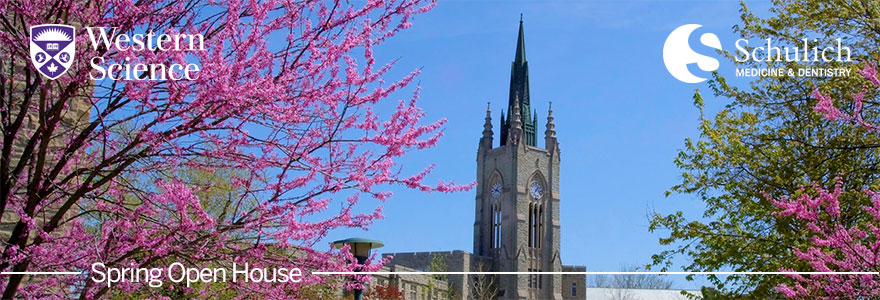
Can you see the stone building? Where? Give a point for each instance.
(75, 116)
(415, 286)
(516, 217)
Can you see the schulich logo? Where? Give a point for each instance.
(677, 53)
(53, 46)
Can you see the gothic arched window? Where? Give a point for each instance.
(536, 214)
(494, 194)
(536, 225)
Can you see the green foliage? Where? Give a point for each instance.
(769, 140)
(219, 197)
(438, 264)
(698, 100)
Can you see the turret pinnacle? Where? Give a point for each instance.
(516, 124)
(487, 127)
(550, 132)
(516, 121)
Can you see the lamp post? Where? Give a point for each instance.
(360, 248)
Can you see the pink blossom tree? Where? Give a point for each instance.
(282, 111)
(835, 246)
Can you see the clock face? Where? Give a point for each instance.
(496, 190)
(536, 190)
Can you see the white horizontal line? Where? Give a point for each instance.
(40, 273)
(596, 273)
(525, 273)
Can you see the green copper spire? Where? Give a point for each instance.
(520, 57)
(519, 92)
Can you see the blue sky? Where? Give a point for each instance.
(620, 116)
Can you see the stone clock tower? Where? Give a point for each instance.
(516, 227)
(516, 219)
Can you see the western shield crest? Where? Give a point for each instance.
(52, 49)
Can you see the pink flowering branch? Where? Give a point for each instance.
(826, 106)
(836, 246)
(281, 116)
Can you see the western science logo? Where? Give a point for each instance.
(52, 48)
(677, 53)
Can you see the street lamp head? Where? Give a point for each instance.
(359, 247)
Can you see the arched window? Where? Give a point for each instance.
(536, 215)
(536, 225)
(494, 193)
(496, 225)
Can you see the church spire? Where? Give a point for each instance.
(520, 57)
(519, 93)
(503, 122)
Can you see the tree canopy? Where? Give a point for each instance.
(769, 140)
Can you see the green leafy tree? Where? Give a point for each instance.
(438, 264)
(769, 140)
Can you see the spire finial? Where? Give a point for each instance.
(520, 57)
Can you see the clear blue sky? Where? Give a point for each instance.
(620, 117)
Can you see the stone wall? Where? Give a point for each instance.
(574, 286)
(456, 261)
(414, 287)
